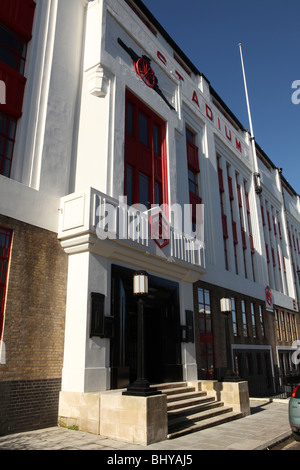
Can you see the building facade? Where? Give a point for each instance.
(118, 156)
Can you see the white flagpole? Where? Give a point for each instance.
(256, 174)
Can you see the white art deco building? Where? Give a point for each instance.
(104, 111)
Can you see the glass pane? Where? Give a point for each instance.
(157, 193)
(200, 296)
(12, 128)
(143, 129)
(7, 56)
(129, 119)
(9, 149)
(144, 198)
(6, 167)
(8, 38)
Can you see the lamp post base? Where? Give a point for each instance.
(141, 388)
(231, 377)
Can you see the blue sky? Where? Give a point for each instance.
(208, 32)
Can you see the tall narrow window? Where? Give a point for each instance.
(223, 214)
(244, 317)
(234, 317)
(253, 320)
(5, 244)
(193, 174)
(206, 366)
(145, 155)
(261, 321)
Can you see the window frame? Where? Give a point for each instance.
(142, 158)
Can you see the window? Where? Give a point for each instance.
(5, 244)
(261, 321)
(145, 156)
(12, 49)
(206, 366)
(7, 139)
(244, 317)
(234, 317)
(15, 33)
(253, 320)
(193, 174)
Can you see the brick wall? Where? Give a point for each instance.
(33, 330)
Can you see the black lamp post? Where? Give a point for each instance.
(141, 386)
(230, 376)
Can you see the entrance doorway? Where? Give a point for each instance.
(162, 330)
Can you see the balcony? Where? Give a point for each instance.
(92, 221)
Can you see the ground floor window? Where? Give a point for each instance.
(206, 366)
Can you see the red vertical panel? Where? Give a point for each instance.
(15, 86)
(18, 16)
(192, 155)
(224, 225)
(230, 188)
(220, 176)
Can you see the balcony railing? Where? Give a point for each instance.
(112, 220)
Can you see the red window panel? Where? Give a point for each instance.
(5, 246)
(194, 201)
(251, 243)
(14, 87)
(230, 189)
(192, 156)
(267, 253)
(263, 215)
(290, 238)
(247, 202)
(234, 233)
(18, 15)
(294, 242)
(244, 243)
(269, 221)
(298, 246)
(220, 177)
(145, 155)
(238, 186)
(224, 226)
(273, 257)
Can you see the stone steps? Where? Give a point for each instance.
(190, 410)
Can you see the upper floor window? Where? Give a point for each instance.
(145, 155)
(12, 49)
(7, 139)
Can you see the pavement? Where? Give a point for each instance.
(266, 426)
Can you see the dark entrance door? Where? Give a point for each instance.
(162, 330)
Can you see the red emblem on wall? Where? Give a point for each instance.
(143, 69)
(269, 298)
